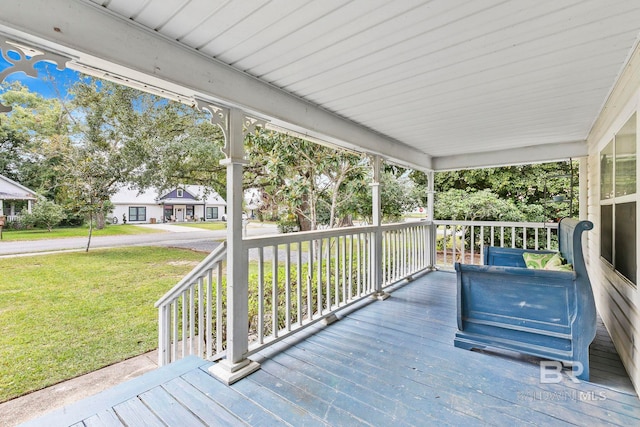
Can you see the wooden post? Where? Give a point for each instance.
(236, 366)
(376, 256)
(583, 174)
(432, 235)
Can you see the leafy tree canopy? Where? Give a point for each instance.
(482, 205)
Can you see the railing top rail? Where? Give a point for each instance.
(401, 225)
(552, 225)
(305, 236)
(214, 257)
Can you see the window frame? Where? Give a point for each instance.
(137, 210)
(211, 209)
(610, 198)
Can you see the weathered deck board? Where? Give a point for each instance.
(389, 363)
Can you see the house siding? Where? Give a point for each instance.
(153, 211)
(618, 300)
(186, 195)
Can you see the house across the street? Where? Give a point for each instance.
(15, 198)
(184, 203)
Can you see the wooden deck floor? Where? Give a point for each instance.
(388, 363)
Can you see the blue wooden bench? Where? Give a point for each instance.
(548, 314)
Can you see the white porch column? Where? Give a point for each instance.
(430, 191)
(376, 256)
(29, 205)
(583, 178)
(1, 208)
(431, 244)
(236, 365)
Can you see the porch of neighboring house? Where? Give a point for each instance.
(14, 199)
(383, 363)
(11, 207)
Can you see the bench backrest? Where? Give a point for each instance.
(570, 242)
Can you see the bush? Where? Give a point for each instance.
(45, 214)
(288, 226)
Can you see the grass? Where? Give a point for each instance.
(204, 225)
(59, 233)
(415, 215)
(68, 314)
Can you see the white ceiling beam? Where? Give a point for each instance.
(515, 156)
(99, 39)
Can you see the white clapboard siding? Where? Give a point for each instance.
(617, 300)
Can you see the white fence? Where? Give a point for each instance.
(190, 315)
(464, 241)
(298, 279)
(302, 278)
(295, 280)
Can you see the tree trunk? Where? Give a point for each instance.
(346, 221)
(90, 232)
(304, 222)
(100, 220)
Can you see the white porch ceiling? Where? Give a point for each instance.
(435, 84)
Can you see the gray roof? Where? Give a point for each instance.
(11, 190)
(152, 196)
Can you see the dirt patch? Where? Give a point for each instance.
(192, 263)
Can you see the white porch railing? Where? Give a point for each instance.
(298, 279)
(295, 280)
(190, 315)
(405, 250)
(301, 278)
(464, 241)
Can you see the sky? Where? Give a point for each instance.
(49, 78)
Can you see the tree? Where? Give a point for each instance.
(30, 139)
(398, 195)
(522, 184)
(45, 213)
(180, 146)
(89, 186)
(306, 180)
(482, 205)
(126, 137)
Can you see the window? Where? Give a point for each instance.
(179, 192)
(618, 201)
(212, 212)
(168, 213)
(137, 213)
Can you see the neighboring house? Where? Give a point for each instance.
(185, 203)
(15, 198)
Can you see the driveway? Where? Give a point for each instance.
(171, 235)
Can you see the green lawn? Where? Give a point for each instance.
(58, 233)
(68, 314)
(204, 225)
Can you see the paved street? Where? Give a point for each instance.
(173, 235)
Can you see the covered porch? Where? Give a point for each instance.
(382, 363)
(454, 85)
